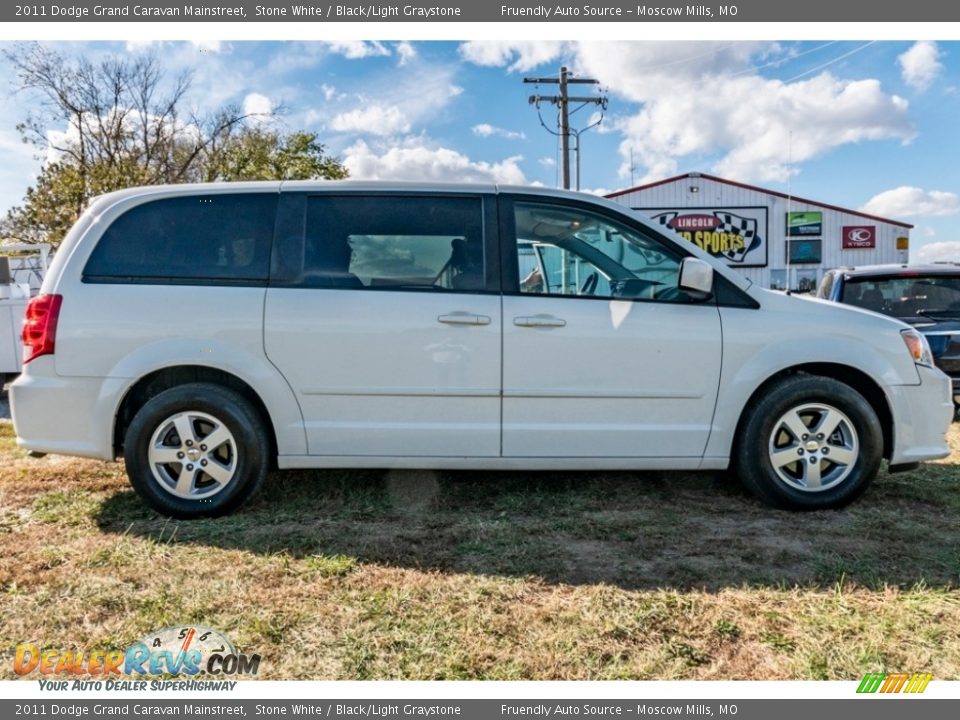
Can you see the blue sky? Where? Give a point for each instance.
(868, 125)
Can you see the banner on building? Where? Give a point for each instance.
(805, 251)
(804, 224)
(735, 234)
(859, 236)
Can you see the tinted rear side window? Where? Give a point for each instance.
(205, 238)
(394, 242)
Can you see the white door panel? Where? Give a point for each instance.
(390, 373)
(586, 377)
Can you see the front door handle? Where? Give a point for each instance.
(462, 318)
(539, 321)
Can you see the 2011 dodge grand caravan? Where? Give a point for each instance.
(208, 332)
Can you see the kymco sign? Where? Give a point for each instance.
(859, 236)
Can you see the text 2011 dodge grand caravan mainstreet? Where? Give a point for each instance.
(208, 332)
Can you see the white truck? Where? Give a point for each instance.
(22, 268)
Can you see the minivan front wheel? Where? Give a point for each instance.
(809, 443)
(196, 450)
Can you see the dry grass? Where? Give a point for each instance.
(493, 575)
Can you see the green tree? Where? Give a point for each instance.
(120, 123)
(264, 154)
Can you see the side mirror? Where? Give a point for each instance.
(696, 277)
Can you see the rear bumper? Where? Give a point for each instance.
(921, 417)
(65, 416)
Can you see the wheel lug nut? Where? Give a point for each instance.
(203, 447)
(203, 463)
(189, 467)
(799, 451)
(180, 455)
(189, 443)
(813, 459)
(806, 437)
(825, 451)
(820, 436)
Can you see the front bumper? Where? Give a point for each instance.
(921, 417)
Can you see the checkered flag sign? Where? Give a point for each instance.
(726, 222)
(736, 225)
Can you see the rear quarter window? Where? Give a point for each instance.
(190, 239)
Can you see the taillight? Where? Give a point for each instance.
(40, 326)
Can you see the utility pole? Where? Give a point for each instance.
(562, 101)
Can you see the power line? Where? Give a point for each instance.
(831, 62)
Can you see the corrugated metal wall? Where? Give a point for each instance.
(719, 195)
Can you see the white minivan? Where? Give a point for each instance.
(207, 333)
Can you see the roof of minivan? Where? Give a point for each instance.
(381, 185)
(895, 270)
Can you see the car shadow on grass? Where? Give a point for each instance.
(631, 530)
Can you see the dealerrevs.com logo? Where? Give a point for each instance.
(183, 651)
(909, 683)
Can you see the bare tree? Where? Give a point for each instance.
(100, 126)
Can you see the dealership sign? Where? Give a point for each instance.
(737, 235)
(859, 236)
(804, 224)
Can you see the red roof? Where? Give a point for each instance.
(694, 175)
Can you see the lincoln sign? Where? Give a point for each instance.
(735, 234)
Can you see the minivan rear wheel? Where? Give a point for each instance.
(809, 443)
(196, 450)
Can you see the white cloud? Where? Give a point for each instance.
(394, 103)
(213, 46)
(706, 99)
(707, 103)
(358, 49)
(373, 119)
(516, 56)
(906, 201)
(206, 46)
(406, 52)
(921, 64)
(259, 106)
(547, 162)
(486, 130)
(948, 250)
(293, 56)
(138, 45)
(328, 91)
(415, 161)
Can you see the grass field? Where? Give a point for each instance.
(352, 575)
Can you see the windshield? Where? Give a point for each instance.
(905, 297)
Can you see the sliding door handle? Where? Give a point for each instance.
(546, 321)
(462, 318)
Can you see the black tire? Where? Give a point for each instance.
(756, 442)
(244, 456)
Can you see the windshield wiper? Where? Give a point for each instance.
(940, 314)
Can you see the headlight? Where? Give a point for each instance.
(918, 347)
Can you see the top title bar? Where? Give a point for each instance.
(481, 11)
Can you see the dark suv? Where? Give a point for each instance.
(925, 296)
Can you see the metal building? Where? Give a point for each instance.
(768, 234)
